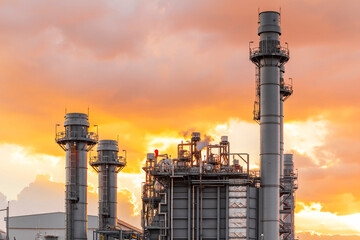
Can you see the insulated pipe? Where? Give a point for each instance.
(76, 141)
(269, 57)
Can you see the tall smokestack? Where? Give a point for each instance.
(108, 164)
(268, 57)
(76, 141)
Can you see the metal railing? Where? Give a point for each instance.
(257, 51)
(65, 135)
(105, 159)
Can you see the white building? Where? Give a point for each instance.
(37, 226)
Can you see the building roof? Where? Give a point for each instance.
(126, 226)
(56, 220)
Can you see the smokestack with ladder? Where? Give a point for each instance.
(268, 58)
(108, 164)
(76, 141)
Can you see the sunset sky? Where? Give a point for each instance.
(151, 71)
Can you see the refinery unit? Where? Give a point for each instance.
(207, 192)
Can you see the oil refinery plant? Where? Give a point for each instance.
(207, 192)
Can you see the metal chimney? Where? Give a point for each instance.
(76, 141)
(268, 58)
(108, 164)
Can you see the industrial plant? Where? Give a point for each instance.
(207, 191)
(215, 195)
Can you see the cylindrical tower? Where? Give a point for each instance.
(268, 57)
(76, 141)
(108, 164)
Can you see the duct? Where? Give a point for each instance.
(269, 56)
(76, 141)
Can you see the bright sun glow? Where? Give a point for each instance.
(307, 138)
(312, 219)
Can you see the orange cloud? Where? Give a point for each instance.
(151, 69)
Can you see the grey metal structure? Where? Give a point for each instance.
(286, 91)
(195, 196)
(116, 233)
(76, 141)
(108, 164)
(268, 58)
(7, 209)
(288, 177)
(287, 207)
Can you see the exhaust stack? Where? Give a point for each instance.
(268, 58)
(76, 141)
(108, 164)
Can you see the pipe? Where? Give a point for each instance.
(227, 212)
(282, 71)
(201, 213)
(172, 208)
(189, 210)
(193, 212)
(197, 213)
(218, 214)
(7, 221)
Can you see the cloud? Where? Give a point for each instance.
(312, 219)
(151, 69)
(314, 236)
(23, 165)
(43, 195)
(161, 64)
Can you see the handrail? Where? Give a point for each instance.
(266, 50)
(119, 159)
(64, 135)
